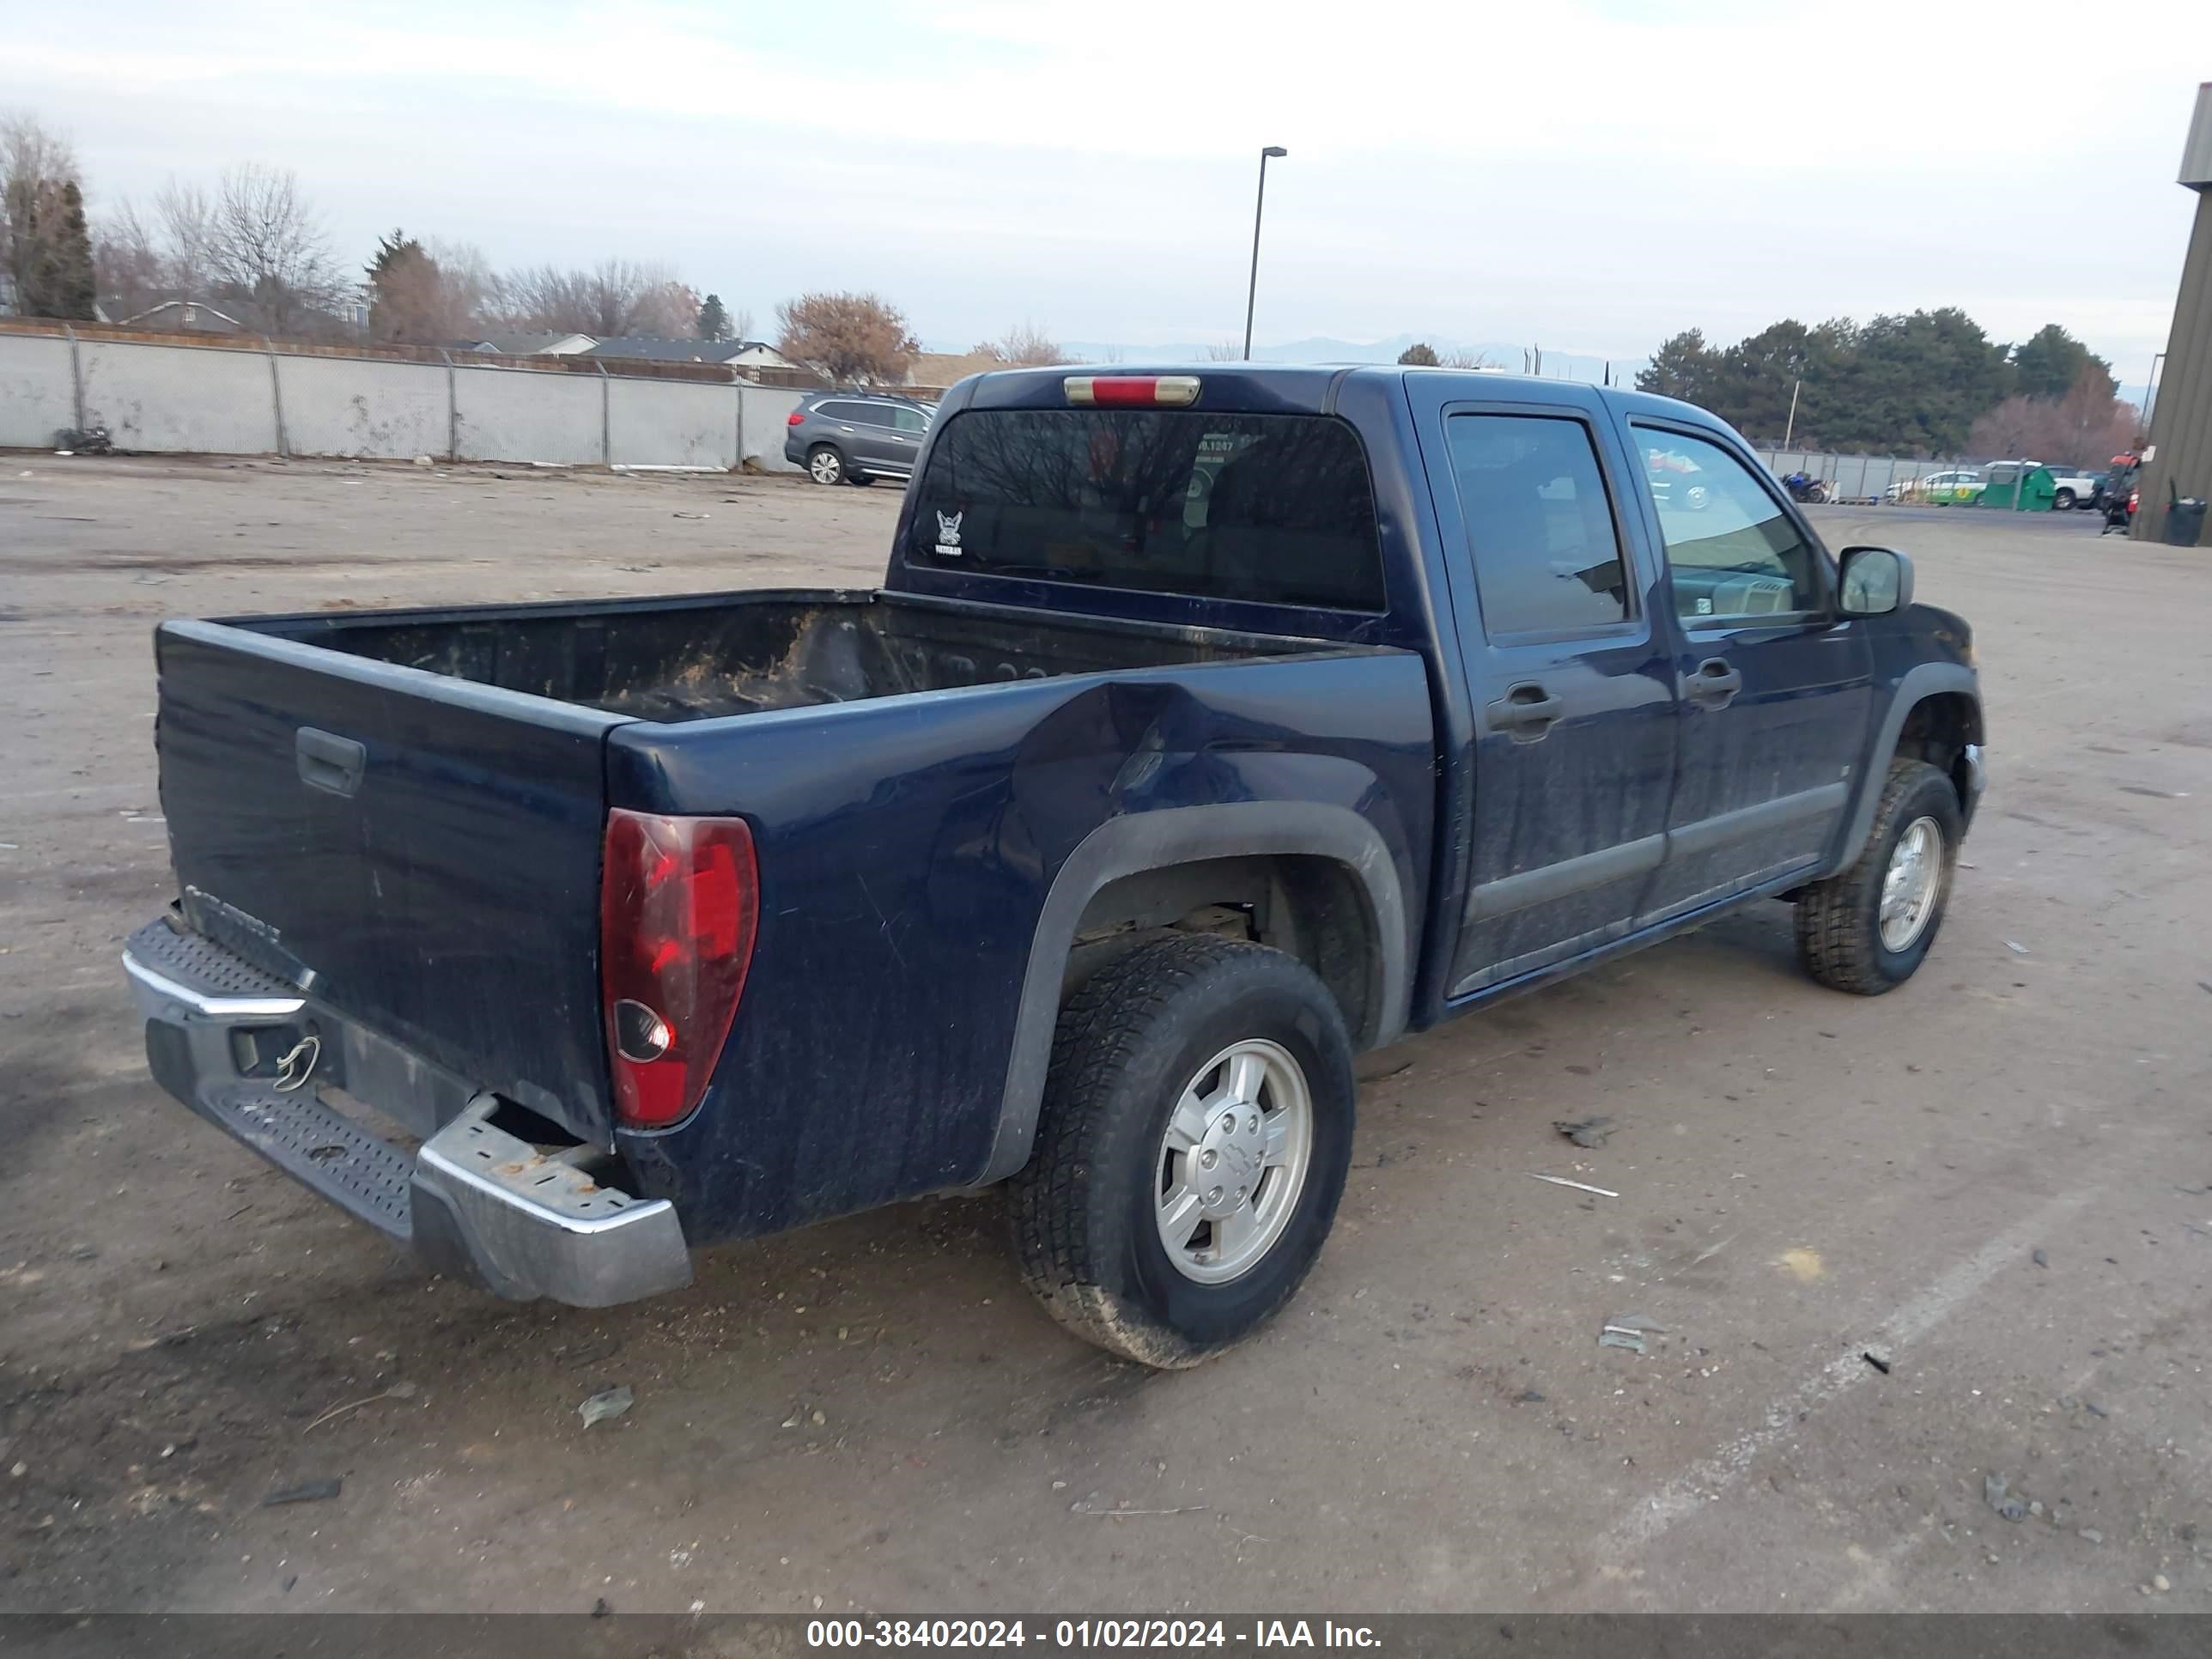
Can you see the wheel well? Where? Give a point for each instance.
(1315, 909)
(1938, 729)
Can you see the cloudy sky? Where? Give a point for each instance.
(1589, 176)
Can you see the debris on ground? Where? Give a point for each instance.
(611, 1403)
(1879, 1359)
(1995, 1495)
(2091, 1536)
(687, 515)
(306, 1491)
(1610, 1338)
(2041, 1258)
(2015, 947)
(1588, 1132)
(397, 1391)
(1579, 1185)
(2159, 1583)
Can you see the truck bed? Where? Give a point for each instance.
(699, 658)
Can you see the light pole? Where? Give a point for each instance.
(1252, 293)
(2150, 392)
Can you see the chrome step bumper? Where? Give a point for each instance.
(477, 1202)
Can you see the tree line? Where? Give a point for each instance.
(253, 246)
(1930, 384)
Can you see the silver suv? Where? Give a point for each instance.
(856, 437)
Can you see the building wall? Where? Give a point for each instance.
(2181, 419)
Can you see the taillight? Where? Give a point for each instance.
(679, 903)
(1131, 391)
(2133, 495)
(797, 418)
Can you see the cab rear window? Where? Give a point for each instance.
(1276, 509)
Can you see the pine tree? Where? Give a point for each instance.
(713, 321)
(75, 292)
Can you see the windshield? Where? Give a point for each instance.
(1271, 508)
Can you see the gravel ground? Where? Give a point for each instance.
(1994, 1180)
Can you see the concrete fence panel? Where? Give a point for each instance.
(195, 399)
(766, 414)
(372, 410)
(38, 395)
(671, 423)
(530, 415)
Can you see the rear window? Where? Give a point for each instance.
(1272, 508)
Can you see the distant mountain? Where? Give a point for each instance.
(1322, 349)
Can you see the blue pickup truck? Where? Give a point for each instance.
(1209, 728)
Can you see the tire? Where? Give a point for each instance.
(1135, 1043)
(1841, 936)
(2062, 501)
(825, 464)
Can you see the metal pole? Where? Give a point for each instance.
(607, 426)
(2150, 391)
(76, 377)
(452, 409)
(275, 396)
(1259, 206)
(1790, 431)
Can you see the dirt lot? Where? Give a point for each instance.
(1994, 1180)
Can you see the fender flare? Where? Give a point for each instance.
(1139, 842)
(1926, 680)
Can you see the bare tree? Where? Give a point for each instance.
(668, 309)
(1025, 346)
(741, 324)
(857, 338)
(2086, 425)
(270, 252)
(186, 219)
(35, 166)
(424, 294)
(1227, 352)
(128, 263)
(1460, 357)
(617, 297)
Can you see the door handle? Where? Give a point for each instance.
(1715, 683)
(1526, 710)
(328, 761)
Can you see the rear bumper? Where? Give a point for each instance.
(477, 1202)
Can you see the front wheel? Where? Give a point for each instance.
(825, 464)
(1193, 1145)
(1867, 930)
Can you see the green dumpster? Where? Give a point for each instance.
(2019, 486)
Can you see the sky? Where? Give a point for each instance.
(1588, 177)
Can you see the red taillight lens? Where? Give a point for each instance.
(797, 418)
(2133, 495)
(679, 902)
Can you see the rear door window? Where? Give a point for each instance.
(1278, 509)
(1539, 524)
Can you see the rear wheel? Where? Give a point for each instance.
(825, 464)
(2062, 501)
(1193, 1145)
(1867, 930)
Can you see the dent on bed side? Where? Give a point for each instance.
(1163, 839)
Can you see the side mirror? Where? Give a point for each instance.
(1876, 581)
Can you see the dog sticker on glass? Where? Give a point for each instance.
(948, 534)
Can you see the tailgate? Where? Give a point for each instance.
(420, 853)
